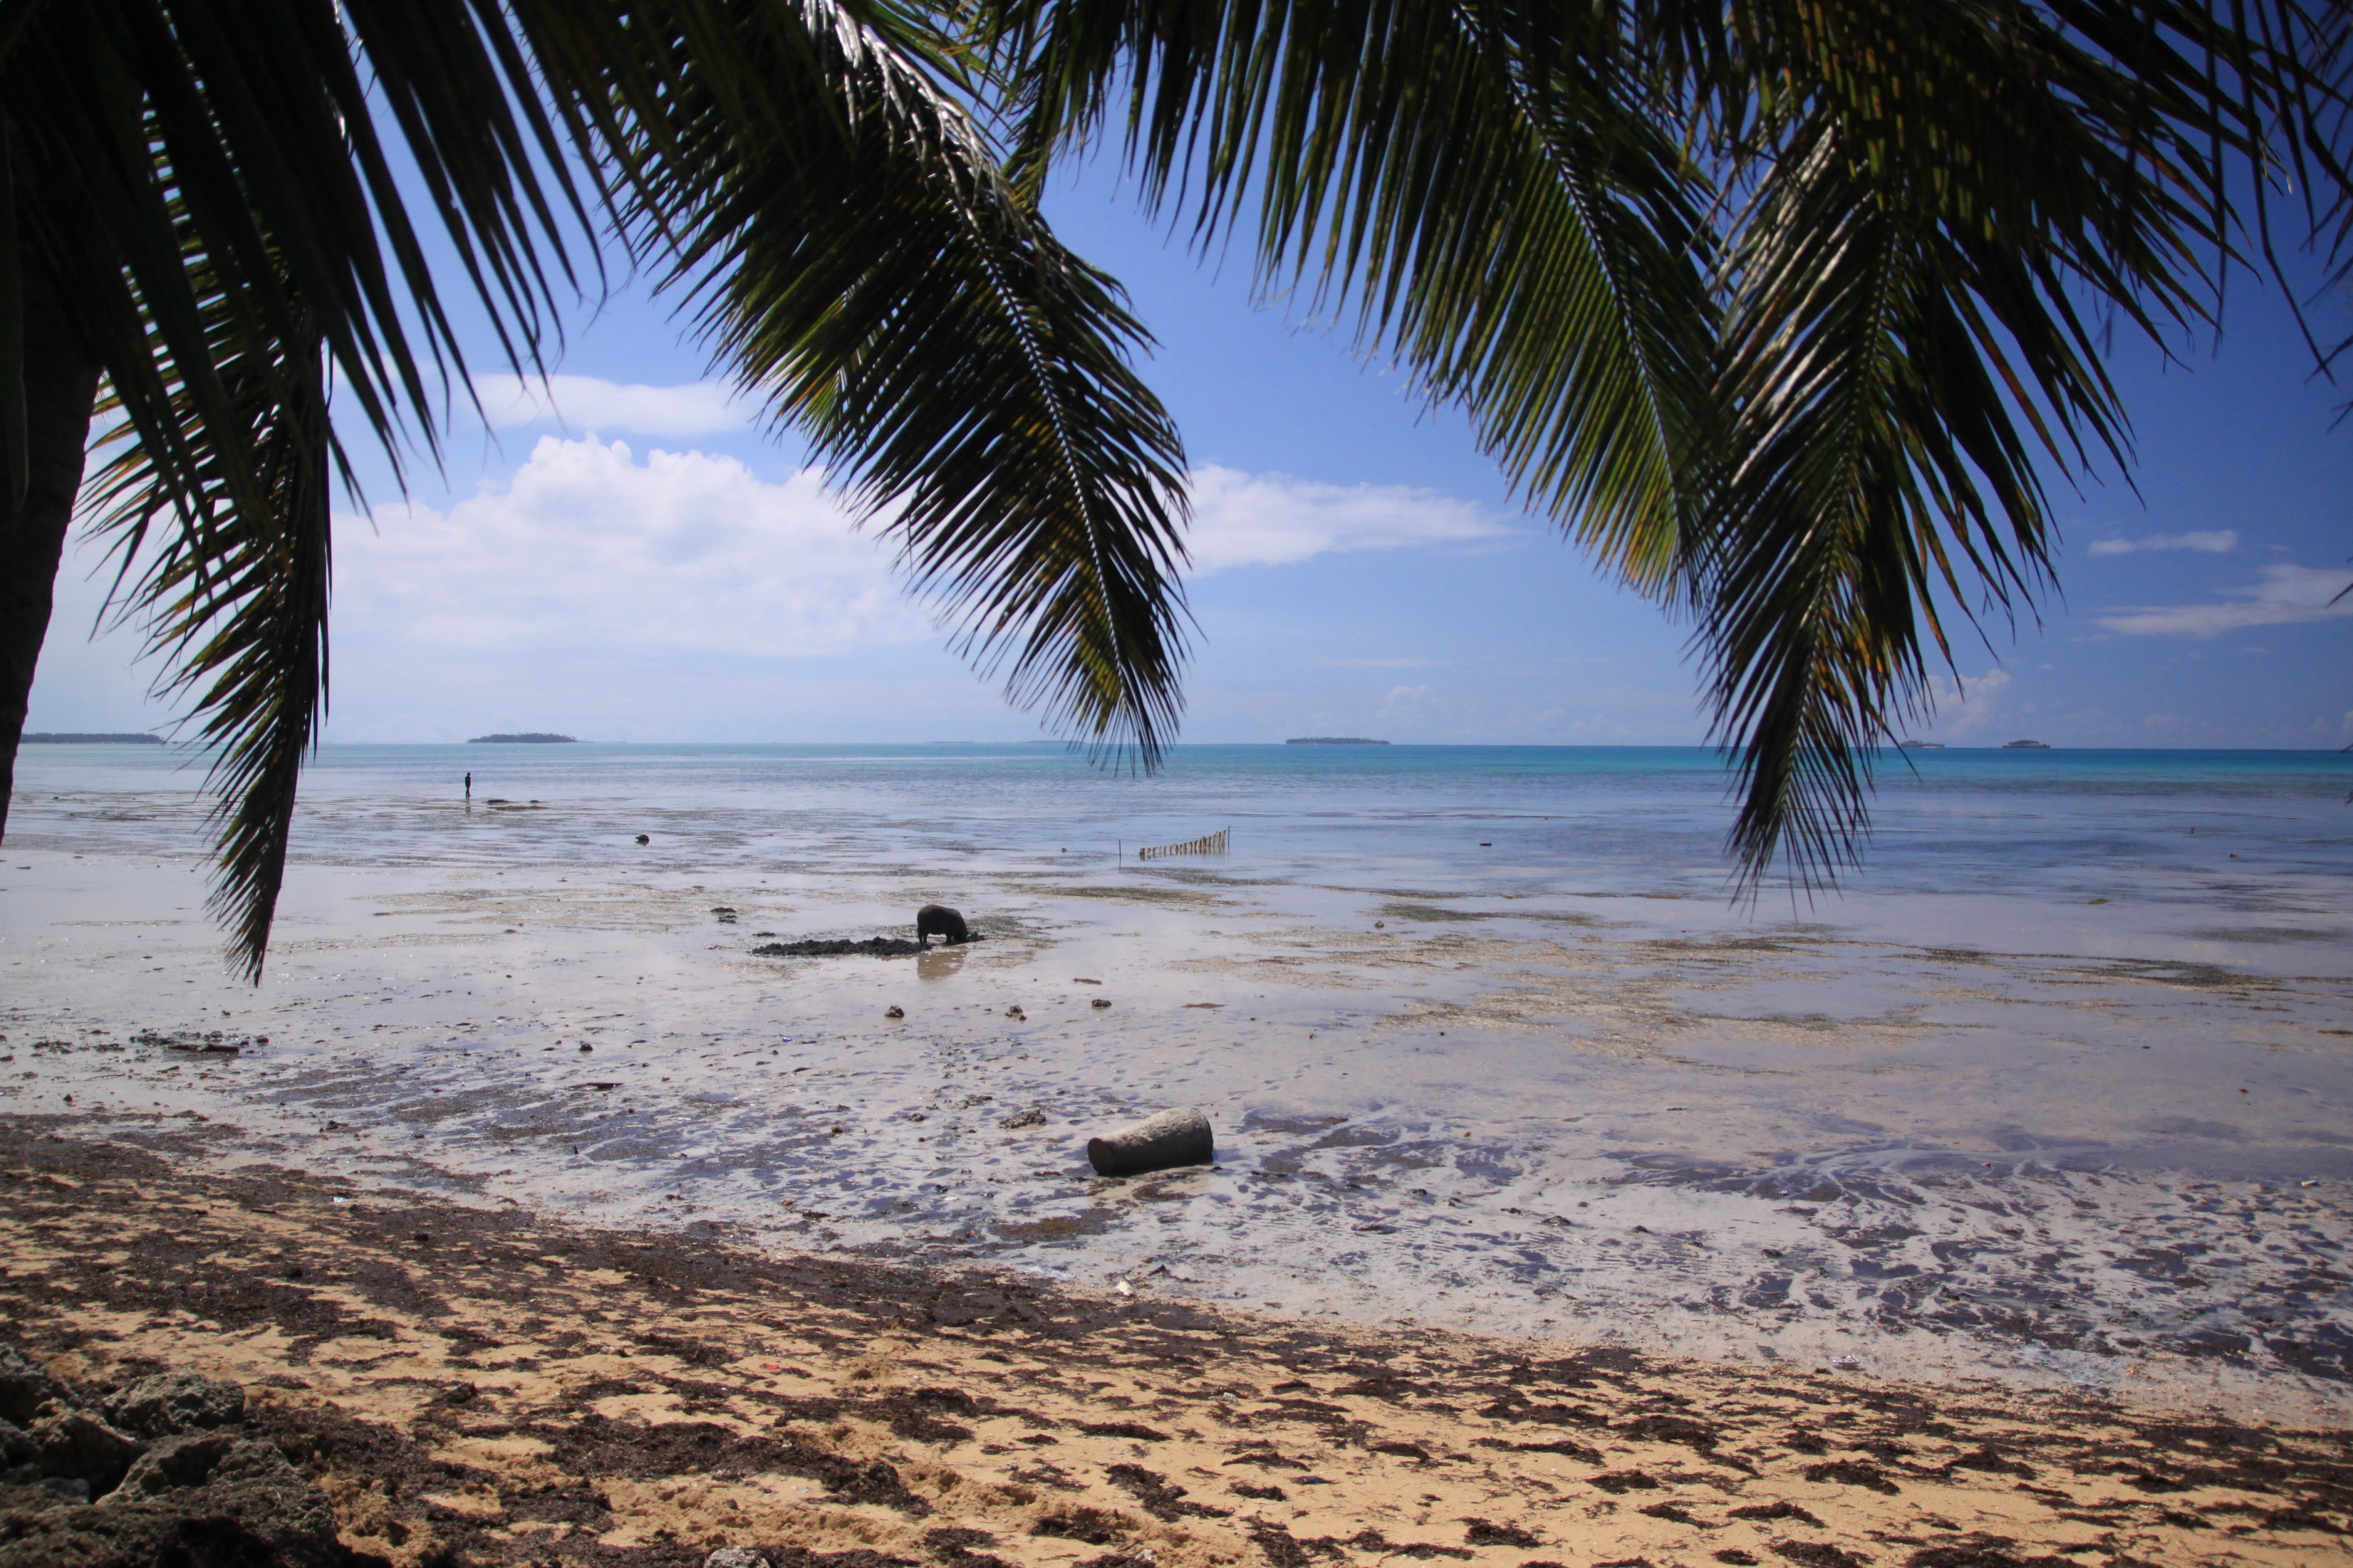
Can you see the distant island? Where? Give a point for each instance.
(1334, 740)
(1921, 745)
(531, 738)
(2025, 745)
(140, 738)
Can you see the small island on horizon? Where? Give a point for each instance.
(529, 738)
(2026, 745)
(69, 738)
(1334, 740)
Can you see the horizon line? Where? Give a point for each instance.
(1907, 750)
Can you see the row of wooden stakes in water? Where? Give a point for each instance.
(1208, 843)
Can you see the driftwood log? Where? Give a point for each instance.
(1179, 1137)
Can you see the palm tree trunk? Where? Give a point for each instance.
(60, 390)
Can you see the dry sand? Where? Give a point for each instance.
(476, 1384)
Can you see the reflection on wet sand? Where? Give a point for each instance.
(1986, 1130)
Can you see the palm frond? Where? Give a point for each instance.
(238, 135)
(211, 176)
(241, 627)
(1488, 189)
(1905, 358)
(856, 261)
(1788, 308)
(208, 185)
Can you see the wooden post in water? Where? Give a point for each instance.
(1208, 843)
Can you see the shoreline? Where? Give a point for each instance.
(1499, 1112)
(494, 1387)
(2056, 1093)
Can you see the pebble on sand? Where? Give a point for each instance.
(734, 1557)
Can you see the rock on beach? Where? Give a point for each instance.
(162, 1472)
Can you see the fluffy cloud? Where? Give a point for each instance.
(1970, 707)
(2220, 541)
(588, 547)
(2284, 595)
(1275, 519)
(587, 403)
(1406, 704)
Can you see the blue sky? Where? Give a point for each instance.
(650, 567)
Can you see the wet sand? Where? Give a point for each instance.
(473, 1383)
(2108, 1158)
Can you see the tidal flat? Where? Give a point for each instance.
(2054, 1095)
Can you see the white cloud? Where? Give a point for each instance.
(1406, 705)
(1275, 519)
(1972, 706)
(587, 402)
(587, 548)
(590, 547)
(2284, 595)
(2219, 541)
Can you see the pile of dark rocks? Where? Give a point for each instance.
(161, 1470)
(841, 947)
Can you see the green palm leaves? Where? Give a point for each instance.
(878, 283)
(209, 195)
(1942, 207)
(1497, 199)
(1783, 309)
(1787, 310)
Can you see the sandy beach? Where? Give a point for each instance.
(2046, 1165)
(471, 1384)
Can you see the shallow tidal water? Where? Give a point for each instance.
(2054, 1089)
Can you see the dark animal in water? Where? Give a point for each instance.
(938, 919)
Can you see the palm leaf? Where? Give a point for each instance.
(849, 251)
(237, 137)
(1895, 230)
(1933, 189)
(1488, 189)
(212, 180)
(206, 184)
(241, 625)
